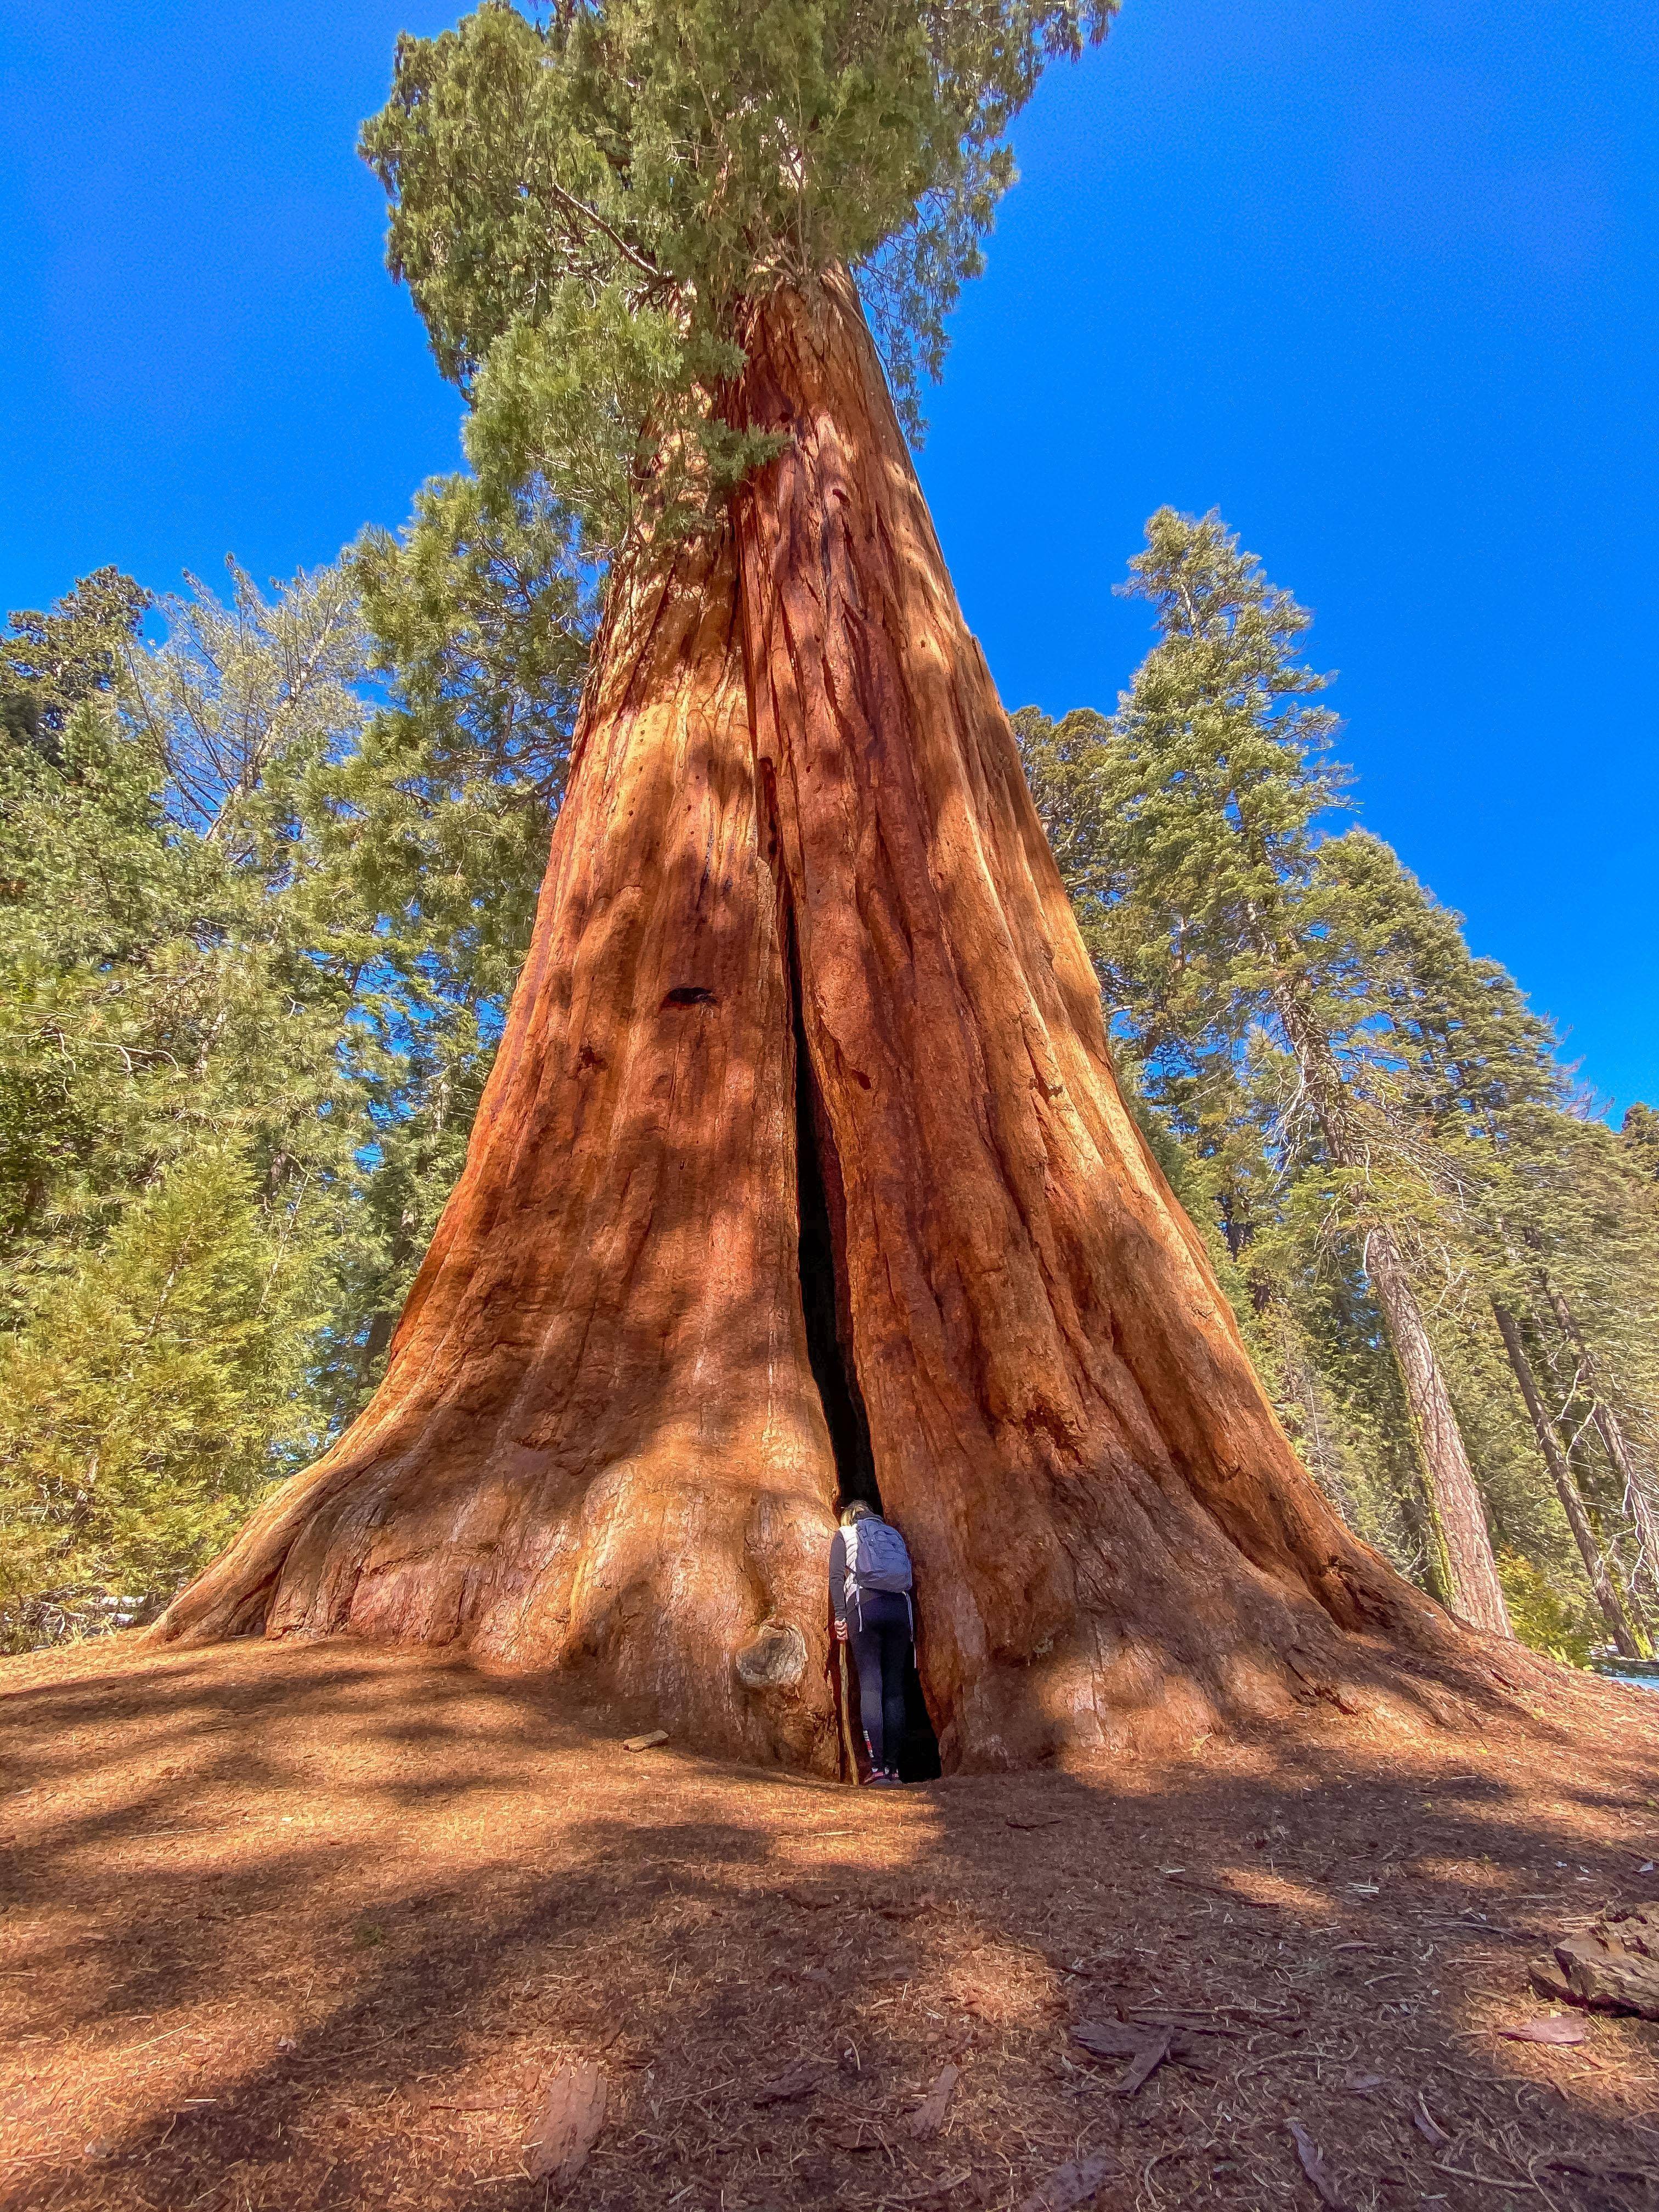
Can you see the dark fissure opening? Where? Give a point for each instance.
(822, 1294)
(827, 1307)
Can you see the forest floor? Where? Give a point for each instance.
(314, 1926)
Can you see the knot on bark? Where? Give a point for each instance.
(775, 1658)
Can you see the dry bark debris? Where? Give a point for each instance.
(1553, 2029)
(1614, 1967)
(1146, 2048)
(557, 2147)
(928, 2118)
(1426, 2125)
(797, 2081)
(855, 2136)
(645, 1742)
(1069, 2185)
(1312, 2164)
(1151, 2056)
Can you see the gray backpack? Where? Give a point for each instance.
(877, 1558)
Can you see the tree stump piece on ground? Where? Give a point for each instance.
(1614, 1967)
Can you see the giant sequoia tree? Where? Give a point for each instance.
(802, 1171)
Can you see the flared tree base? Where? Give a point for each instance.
(802, 1173)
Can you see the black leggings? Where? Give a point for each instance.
(879, 1630)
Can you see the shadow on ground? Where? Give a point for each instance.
(312, 1925)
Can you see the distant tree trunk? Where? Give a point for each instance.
(1312, 1433)
(1595, 1565)
(383, 1322)
(1460, 1532)
(377, 1341)
(802, 1171)
(1460, 1519)
(1637, 1503)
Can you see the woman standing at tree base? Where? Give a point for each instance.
(870, 1582)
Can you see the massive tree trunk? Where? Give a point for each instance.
(803, 1170)
(598, 1445)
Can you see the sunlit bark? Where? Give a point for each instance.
(1114, 1540)
(803, 1170)
(598, 1445)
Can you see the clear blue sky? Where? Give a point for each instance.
(1374, 276)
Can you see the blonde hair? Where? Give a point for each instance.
(859, 1510)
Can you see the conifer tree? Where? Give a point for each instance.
(1491, 1171)
(260, 937)
(1538, 1182)
(157, 1394)
(51, 662)
(1640, 1132)
(1218, 774)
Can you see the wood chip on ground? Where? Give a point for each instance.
(798, 2081)
(566, 2128)
(1071, 2184)
(928, 2118)
(1314, 2167)
(1554, 2028)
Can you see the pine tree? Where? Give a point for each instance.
(254, 918)
(157, 1394)
(1640, 1132)
(52, 662)
(1470, 1114)
(1218, 773)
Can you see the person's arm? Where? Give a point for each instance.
(838, 1583)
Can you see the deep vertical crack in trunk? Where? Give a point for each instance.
(826, 1305)
(827, 1311)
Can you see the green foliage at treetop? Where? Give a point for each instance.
(51, 662)
(583, 203)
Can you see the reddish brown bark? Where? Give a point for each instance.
(1112, 1535)
(798, 811)
(597, 1443)
(1468, 1564)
